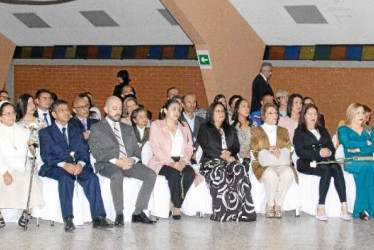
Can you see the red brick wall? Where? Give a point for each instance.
(150, 82)
(333, 89)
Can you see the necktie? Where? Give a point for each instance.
(84, 122)
(65, 135)
(117, 133)
(45, 118)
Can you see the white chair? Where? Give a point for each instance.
(198, 199)
(309, 192)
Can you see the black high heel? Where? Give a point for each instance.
(2, 221)
(364, 215)
(24, 219)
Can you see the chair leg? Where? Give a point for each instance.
(52, 223)
(297, 212)
(37, 222)
(201, 215)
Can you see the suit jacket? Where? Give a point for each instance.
(210, 141)
(141, 141)
(104, 145)
(36, 114)
(160, 141)
(259, 88)
(76, 122)
(307, 146)
(260, 140)
(53, 147)
(198, 122)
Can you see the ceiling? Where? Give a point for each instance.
(125, 22)
(346, 21)
(146, 22)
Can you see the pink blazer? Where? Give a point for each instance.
(160, 141)
(287, 123)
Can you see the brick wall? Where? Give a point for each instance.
(333, 89)
(150, 82)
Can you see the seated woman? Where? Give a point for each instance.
(129, 105)
(290, 122)
(271, 147)
(15, 165)
(242, 123)
(358, 140)
(312, 142)
(140, 121)
(171, 143)
(25, 115)
(229, 183)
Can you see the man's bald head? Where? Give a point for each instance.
(113, 108)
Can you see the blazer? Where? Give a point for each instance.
(76, 122)
(36, 114)
(260, 140)
(260, 87)
(141, 141)
(53, 147)
(210, 141)
(198, 122)
(104, 145)
(307, 146)
(160, 141)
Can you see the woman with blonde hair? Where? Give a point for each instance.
(272, 165)
(358, 141)
(129, 105)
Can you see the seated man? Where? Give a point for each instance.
(81, 118)
(117, 154)
(66, 158)
(256, 115)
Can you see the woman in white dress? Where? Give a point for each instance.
(15, 165)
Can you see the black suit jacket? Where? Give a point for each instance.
(259, 88)
(76, 122)
(36, 114)
(198, 122)
(210, 141)
(307, 146)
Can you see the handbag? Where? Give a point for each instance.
(267, 159)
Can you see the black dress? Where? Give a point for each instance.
(229, 183)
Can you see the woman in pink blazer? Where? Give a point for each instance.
(171, 143)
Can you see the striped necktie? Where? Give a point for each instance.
(117, 133)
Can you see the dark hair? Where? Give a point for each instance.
(86, 94)
(41, 91)
(267, 94)
(217, 97)
(366, 109)
(57, 103)
(232, 98)
(235, 115)
(135, 113)
(210, 114)
(308, 98)
(166, 105)
(302, 122)
(124, 74)
(167, 91)
(290, 102)
(132, 89)
(21, 107)
(4, 105)
(54, 96)
(4, 91)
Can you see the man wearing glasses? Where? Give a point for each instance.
(4, 95)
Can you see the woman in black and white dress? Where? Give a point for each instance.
(228, 180)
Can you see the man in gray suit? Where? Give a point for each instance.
(117, 154)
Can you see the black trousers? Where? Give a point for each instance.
(179, 182)
(325, 171)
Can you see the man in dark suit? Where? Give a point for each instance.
(261, 86)
(66, 158)
(81, 118)
(44, 100)
(117, 154)
(188, 115)
(123, 80)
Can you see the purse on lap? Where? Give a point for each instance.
(267, 159)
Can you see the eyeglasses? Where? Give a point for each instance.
(5, 98)
(87, 106)
(8, 114)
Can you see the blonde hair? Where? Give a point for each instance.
(266, 107)
(351, 112)
(124, 106)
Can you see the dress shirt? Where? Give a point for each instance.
(41, 116)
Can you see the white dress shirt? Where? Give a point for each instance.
(271, 132)
(141, 132)
(316, 133)
(41, 116)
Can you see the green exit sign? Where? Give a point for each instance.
(204, 59)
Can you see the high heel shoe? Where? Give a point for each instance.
(176, 216)
(321, 217)
(24, 219)
(2, 221)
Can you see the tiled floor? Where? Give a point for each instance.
(198, 234)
